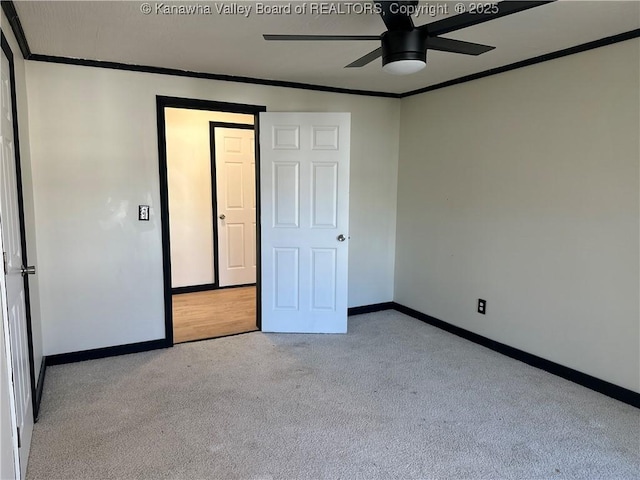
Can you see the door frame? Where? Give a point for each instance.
(163, 102)
(6, 48)
(214, 194)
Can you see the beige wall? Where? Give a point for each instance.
(28, 195)
(523, 189)
(95, 157)
(520, 188)
(190, 206)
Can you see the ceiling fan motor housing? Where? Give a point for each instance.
(403, 45)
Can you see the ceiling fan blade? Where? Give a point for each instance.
(393, 19)
(468, 19)
(366, 59)
(456, 46)
(321, 37)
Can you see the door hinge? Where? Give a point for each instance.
(19, 439)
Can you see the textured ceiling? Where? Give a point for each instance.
(232, 44)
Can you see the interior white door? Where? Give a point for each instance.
(236, 202)
(13, 266)
(304, 170)
(9, 461)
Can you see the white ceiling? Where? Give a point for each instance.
(117, 31)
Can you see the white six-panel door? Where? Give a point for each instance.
(236, 202)
(9, 457)
(304, 169)
(13, 262)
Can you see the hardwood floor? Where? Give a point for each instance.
(214, 313)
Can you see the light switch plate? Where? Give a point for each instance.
(143, 213)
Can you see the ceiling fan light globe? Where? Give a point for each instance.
(404, 67)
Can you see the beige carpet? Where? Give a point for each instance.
(394, 398)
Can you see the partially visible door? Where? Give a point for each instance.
(235, 167)
(9, 461)
(304, 173)
(14, 269)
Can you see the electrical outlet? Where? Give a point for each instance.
(482, 306)
(143, 213)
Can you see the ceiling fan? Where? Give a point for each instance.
(404, 46)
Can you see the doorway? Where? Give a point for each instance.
(209, 183)
(234, 170)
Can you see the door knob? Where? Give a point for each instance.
(30, 270)
(341, 238)
(222, 216)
